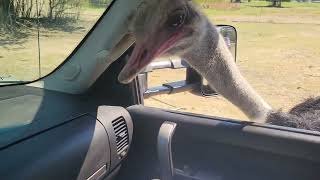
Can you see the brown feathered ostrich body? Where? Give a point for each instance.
(178, 28)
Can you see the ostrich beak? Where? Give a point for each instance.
(145, 51)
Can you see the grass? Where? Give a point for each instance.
(19, 51)
(256, 8)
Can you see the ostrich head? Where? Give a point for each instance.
(161, 28)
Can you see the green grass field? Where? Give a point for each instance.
(255, 8)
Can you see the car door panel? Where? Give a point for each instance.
(60, 153)
(26, 111)
(219, 148)
(53, 135)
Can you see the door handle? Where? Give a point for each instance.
(165, 135)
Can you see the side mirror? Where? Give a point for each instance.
(194, 81)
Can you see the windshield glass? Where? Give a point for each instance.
(37, 36)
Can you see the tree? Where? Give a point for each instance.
(58, 8)
(14, 13)
(235, 1)
(276, 3)
(6, 12)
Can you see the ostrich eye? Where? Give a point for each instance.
(177, 18)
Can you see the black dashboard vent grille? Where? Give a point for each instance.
(121, 132)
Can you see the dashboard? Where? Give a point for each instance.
(51, 135)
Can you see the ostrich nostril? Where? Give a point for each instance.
(144, 54)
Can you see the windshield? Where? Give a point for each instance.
(37, 36)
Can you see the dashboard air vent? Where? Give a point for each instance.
(121, 132)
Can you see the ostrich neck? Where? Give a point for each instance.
(213, 60)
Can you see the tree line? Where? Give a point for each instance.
(13, 11)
